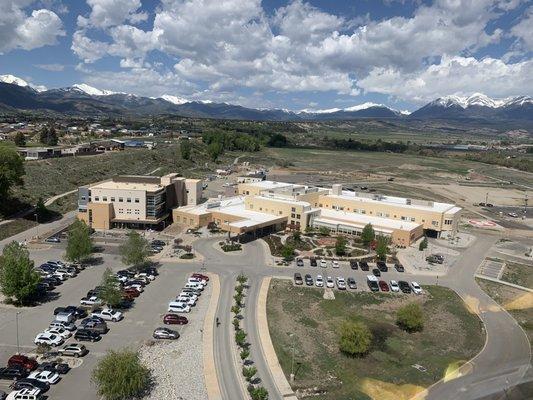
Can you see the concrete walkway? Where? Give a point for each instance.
(211, 379)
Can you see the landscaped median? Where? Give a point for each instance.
(386, 352)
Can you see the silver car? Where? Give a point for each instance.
(165, 333)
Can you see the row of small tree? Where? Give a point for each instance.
(248, 371)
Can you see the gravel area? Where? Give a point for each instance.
(177, 366)
(414, 260)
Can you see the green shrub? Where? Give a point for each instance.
(410, 318)
(355, 338)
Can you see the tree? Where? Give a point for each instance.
(185, 149)
(120, 375)
(423, 244)
(18, 278)
(368, 234)
(214, 150)
(259, 393)
(249, 372)
(41, 210)
(79, 241)
(355, 338)
(135, 250)
(111, 293)
(48, 136)
(244, 354)
(242, 279)
(287, 252)
(277, 140)
(410, 318)
(20, 139)
(11, 169)
(324, 231)
(297, 236)
(382, 247)
(340, 246)
(240, 338)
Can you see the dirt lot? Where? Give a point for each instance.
(451, 336)
(519, 274)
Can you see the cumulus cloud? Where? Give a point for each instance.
(107, 13)
(51, 67)
(20, 30)
(524, 29)
(453, 75)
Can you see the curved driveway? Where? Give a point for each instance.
(503, 362)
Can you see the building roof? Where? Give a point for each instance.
(112, 185)
(265, 185)
(397, 201)
(360, 220)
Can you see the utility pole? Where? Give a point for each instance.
(17, 323)
(291, 335)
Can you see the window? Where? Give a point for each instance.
(104, 198)
(298, 216)
(403, 218)
(435, 223)
(448, 222)
(83, 197)
(120, 199)
(293, 215)
(260, 208)
(128, 200)
(413, 219)
(136, 200)
(112, 199)
(97, 198)
(320, 205)
(293, 209)
(280, 213)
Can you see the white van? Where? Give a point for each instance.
(25, 394)
(194, 285)
(178, 307)
(65, 317)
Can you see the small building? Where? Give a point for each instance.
(39, 153)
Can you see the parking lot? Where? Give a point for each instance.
(136, 327)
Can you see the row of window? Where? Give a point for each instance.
(113, 199)
(129, 211)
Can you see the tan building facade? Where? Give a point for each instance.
(135, 201)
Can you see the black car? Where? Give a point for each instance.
(313, 262)
(353, 264)
(86, 335)
(364, 266)
(399, 267)
(152, 271)
(299, 262)
(28, 383)
(309, 280)
(376, 272)
(157, 242)
(92, 318)
(50, 281)
(382, 266)
(15, 372)
(77, 311)
(404, 286)
(298, 279)
(60, 368)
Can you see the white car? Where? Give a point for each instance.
(199, 281)
(65, 334)
(62, 276)
(416, 288)
(394, 286)
(187, 300)
(319, 281)
(136, 286)
(45, 376)
(188, 295)
(25, 394)
(90, 301)
(145, 275)
(330, 283)
(178, 307)
(323, 263)
(69, 326)
(108, 314)
(335, 264)
(48, 339)
(341, 283)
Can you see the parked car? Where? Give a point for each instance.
(312, 262)
(91, 301)
(175, 306)
(87, 335)
(352, 284)
(399, 267)
(132, 292)
(394, 286)
(3, 395)
(404, 287)
(158, 242)
(299, 262)
(95, 326)
(341, 283)
(191, 301)
(19, 360)
(513, 214)
(62, 332)
(108, 314)
(353, 264)
(376, 272)
(435, 259)
(196, 275)
(25, 394)
(309, 280)
(416, 288)
(382, 266)
(165, 333)
(335, 264)
(49, 339)
(383, 286)
(323, 263)
(319, 281)
(53, 239)
(48, 377)
(173, 319)
(54, 366)
(69, 326)
(30, 383)
(298, 279)
(330, 283)
(14, 372)
(73, 350)
(372, 283)
(364, 266)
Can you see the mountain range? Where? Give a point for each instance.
(18, 95)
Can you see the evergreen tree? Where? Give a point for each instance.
(135, 250)
(20, 139)
(185, 149)
(368, 234)
(11, 169)
(18, 278)
(79, 241)
(382, 247)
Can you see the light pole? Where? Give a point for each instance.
(17, 323)
(291, 335)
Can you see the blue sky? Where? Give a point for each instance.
(316, 54)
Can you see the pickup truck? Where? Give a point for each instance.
(108, 314)
(91, 301)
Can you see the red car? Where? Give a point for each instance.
(200, 276)
(383, 286)
(25, 362)
(131, 292)
(175, 319)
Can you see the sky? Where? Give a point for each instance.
(314, 55)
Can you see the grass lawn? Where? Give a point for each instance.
(451, 336)
(519, 274)
(15, 226)
(517, 302)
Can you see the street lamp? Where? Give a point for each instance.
(291, 335)
(17, 323)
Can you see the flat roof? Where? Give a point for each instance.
(396, 201)
(281, 199)
(360, 220)
(268, 184)
(148, 187)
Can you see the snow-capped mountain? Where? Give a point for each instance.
(174, 99)
(365, 110)
(14, 80)
(92, 91)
